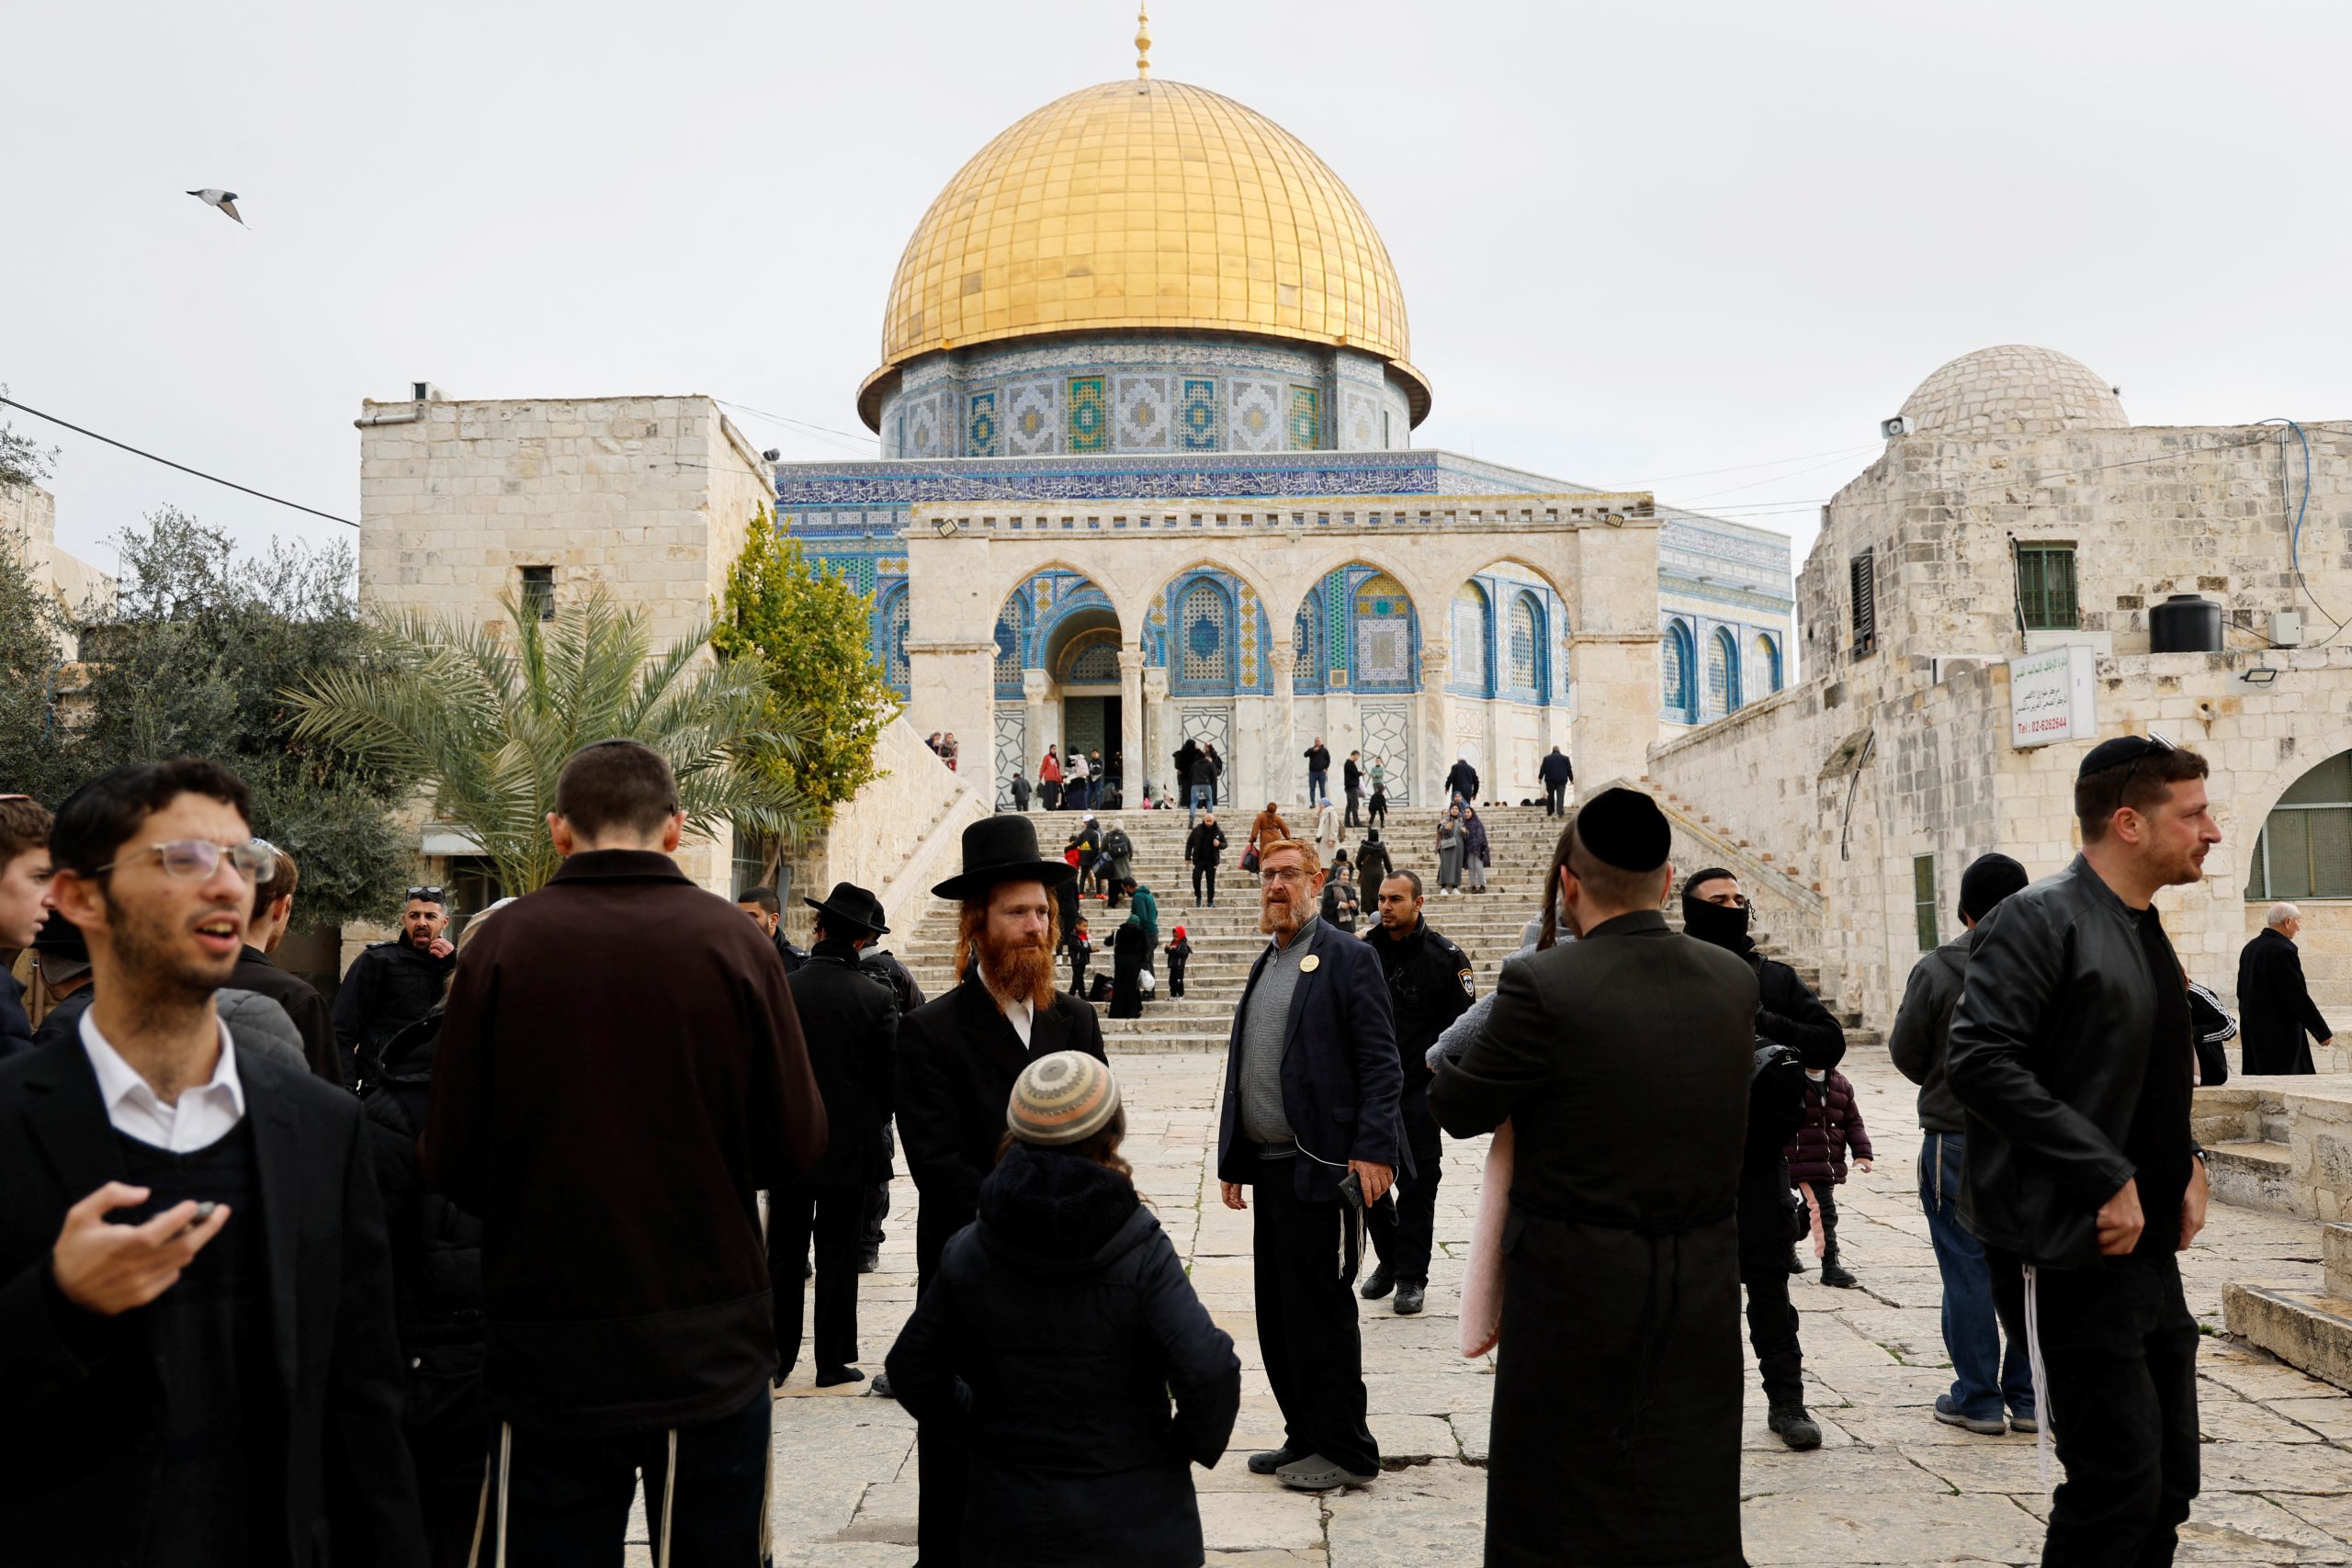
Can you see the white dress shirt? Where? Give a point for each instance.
(206, 1112)
(1021, 1014)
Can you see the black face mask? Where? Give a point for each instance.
(1718, 923)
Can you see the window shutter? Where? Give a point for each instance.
(1863, 575)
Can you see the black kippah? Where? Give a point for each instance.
(1623, 828)
(2116, 752)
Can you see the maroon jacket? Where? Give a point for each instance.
(620, 1072)
(1833, 1123)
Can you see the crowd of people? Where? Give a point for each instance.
(526, 1220)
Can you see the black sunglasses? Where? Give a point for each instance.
(434, 893)
(2157, 746)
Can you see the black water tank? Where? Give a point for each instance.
(2186, 622)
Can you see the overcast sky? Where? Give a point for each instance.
(1639, 242)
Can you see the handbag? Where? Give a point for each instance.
(1249, 858)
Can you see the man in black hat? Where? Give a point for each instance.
(1990, 1390)
(1715, 910)
(850, 1018)
(2071, 1055)
(1617, 1402)
(959, 1056)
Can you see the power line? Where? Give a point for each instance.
(1743, 468)
(183, 467)
(858, 443)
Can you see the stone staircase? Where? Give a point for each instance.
(1226, 940)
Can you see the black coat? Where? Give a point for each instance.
(302, 1003)
(1555, 769)
(1617, 1443)
(1341, 1080)
(1350, 776)
(957, 1062)
(1204, 845)
(1318, 759)
(2275, 1008)
(1187, 758)
(16, 1028)
(79, 1399)
(63, 1020)
(1462, 779)
(388, 988)
(851, 1021)
(436, 1246)
(1130, 952)
(1372, 865)
(1075, 1456)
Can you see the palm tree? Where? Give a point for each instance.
(484, 722)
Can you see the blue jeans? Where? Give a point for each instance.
(1318, 782)
(1204, 799)
(1972, 1331)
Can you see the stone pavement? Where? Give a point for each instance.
(1890, 1487)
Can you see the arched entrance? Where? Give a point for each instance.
(1058, 675)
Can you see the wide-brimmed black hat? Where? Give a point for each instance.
(850, 905)
(64, 954)
(1002, 849)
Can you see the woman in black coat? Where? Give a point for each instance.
(1130, 952)
(1050, 1343)
(1179, 952)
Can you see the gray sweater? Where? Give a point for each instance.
(1923, 1030)
(1265, 1021)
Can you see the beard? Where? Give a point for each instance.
(1278, 918)
(142, 946)
(1019, 969)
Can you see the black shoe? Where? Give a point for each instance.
(1409, 1298)
(1796, 1261)
(872, 1262)
(1378, 1284)
(1274, 1459)
(1797, 1428)
(833, 1377)
(1834, 1274)
(881, 1386)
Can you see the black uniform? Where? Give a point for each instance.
(884, 968)
(388, 988)
(1793, 1016)
(1430, 984)
(1202, 848)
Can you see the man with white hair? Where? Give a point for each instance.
(2275, 1005)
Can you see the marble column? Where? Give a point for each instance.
(1034, 728)
(1133, 761)
(1159, 739)
(1285, 771)
(1431, 753)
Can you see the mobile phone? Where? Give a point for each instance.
(203, 1212)
(1351, 1188)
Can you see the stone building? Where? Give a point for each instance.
(2017, 515)
(1155, 327)
(29, 525)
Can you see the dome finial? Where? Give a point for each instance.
(1143, 43)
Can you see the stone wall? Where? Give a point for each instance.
(902, 833)
(651, 497)
(28, 521)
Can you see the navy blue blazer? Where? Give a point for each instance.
(1342, 1078)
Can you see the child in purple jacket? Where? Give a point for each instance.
(1833, 1123)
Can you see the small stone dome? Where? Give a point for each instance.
(2014, 389)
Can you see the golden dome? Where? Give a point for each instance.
(1144, 204)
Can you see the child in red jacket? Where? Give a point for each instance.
(1833, 1123)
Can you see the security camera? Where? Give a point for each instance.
(774, 454)
(1888, 429)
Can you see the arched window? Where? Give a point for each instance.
(2305, 848)
(1384, 635)
(894, 640)
(1678, 681)
(1767, 662)
(1093, 659)
(1526, 640)
(1204, 638)
(1306, 636)
(1008, 653)
(1723, 672)
(1470, 638)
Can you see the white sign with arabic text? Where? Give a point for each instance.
(2051, 696)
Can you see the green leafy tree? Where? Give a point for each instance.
(22, 460)
(193, 659)
(32, 629)
(484, 723)
(807, 630)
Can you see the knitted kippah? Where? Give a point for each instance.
(1624, 829)
(1063, 1098)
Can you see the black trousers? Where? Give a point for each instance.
(2119, 1351)
(1203, 877)
(836, 1217)
(1379, 818)
(1765, 1228)
(1554, 801)
(1355, 808)
(1306, 1322)
(1404, 1222)
(877, 1197)
(1826, 1194)
(567, 1497)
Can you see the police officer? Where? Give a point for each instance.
(1429, 984)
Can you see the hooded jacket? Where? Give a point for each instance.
(1832, 1126)
(1371, 863)
(1922, 1033)
(1050, 1347)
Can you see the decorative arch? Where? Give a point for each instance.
(894, 619)
(1383, 631)
(1679, 672)
(1310, 641)
(1767, 653)
(1089, 658)
(1723, 671)
(1472, 633)
(1017, 624)
(1204, 637)
(1528, 649)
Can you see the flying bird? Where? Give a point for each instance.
(226, 200)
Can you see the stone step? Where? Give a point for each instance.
(2305, 1329)
(2253, 1176)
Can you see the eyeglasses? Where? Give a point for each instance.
(434, 893)
(192, 859)
(1284, 873)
